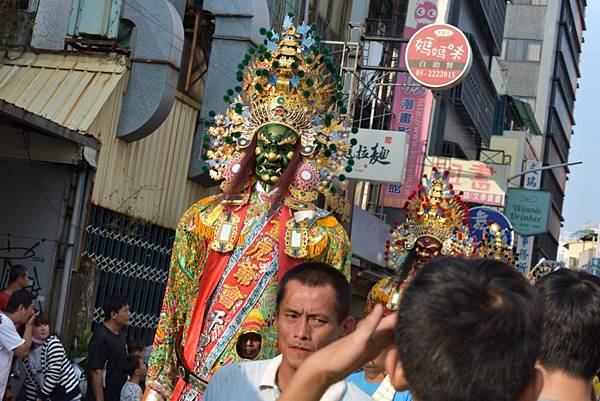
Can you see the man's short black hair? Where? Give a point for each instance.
(476, 323)
(18, 298)
(316, 274)
(130, 364)
(114, 303)
(16, 272)
(571, 333)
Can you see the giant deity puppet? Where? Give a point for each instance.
(436, 225)
(280, 143)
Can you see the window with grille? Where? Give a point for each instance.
(522, 50)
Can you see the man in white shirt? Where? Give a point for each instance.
(313, 310)
(20, 310)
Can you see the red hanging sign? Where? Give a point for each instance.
(438, 56)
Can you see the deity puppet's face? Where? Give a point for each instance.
(275, 148)
(427, 248)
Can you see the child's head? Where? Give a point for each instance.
(134, 366)
(41, 328)
(137, 347)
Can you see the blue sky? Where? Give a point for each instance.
(582, 202)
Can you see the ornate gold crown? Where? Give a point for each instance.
(434, 210)
(496, 244)
(287, 80)
(543, 268)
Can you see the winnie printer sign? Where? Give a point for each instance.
(528, 210)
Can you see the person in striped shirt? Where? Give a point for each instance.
(49, 374)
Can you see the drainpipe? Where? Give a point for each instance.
(70, 251)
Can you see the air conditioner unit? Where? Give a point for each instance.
(96, 18)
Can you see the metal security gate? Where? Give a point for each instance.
(133, 257)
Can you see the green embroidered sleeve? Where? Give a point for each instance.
(187, 263)
(338, 253)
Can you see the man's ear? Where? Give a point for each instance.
(395, 370)
(534, 387)
(348, 325)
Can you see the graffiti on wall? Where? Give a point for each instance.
(25, 252)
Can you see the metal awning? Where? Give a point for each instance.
(59, 94)
(526, 113)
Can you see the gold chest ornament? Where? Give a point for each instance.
(225, 232)
(296, 238)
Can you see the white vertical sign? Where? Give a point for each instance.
(533, 180)
(525, 244)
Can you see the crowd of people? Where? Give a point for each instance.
(466, 329)
(34, 365)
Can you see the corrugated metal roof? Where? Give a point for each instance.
(147, 179)
(66, 88)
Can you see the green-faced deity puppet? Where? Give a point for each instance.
(278, 145)
(275, 148)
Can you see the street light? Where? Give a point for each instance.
(553, 166)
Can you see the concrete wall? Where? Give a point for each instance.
(522, 78)
(51, 24)
(513, 144)
(32, 206)
(524, 22)
(231, 40)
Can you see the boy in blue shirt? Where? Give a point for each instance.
(374, 381)
(373, 378)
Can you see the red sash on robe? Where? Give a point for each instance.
(216, 265)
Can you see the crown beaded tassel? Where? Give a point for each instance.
(287, 80)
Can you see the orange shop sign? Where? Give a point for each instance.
(438, 56)
(481, 183)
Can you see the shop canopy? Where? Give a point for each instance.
(59, 94)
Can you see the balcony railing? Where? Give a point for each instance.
(475, 99)
(491, 13)
(550, 184)
(548, 246)
(555, 130)
(569, 85)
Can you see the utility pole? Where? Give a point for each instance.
(553, 166)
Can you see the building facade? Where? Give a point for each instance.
(463, 115)
(540, 52)
(97, 120)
